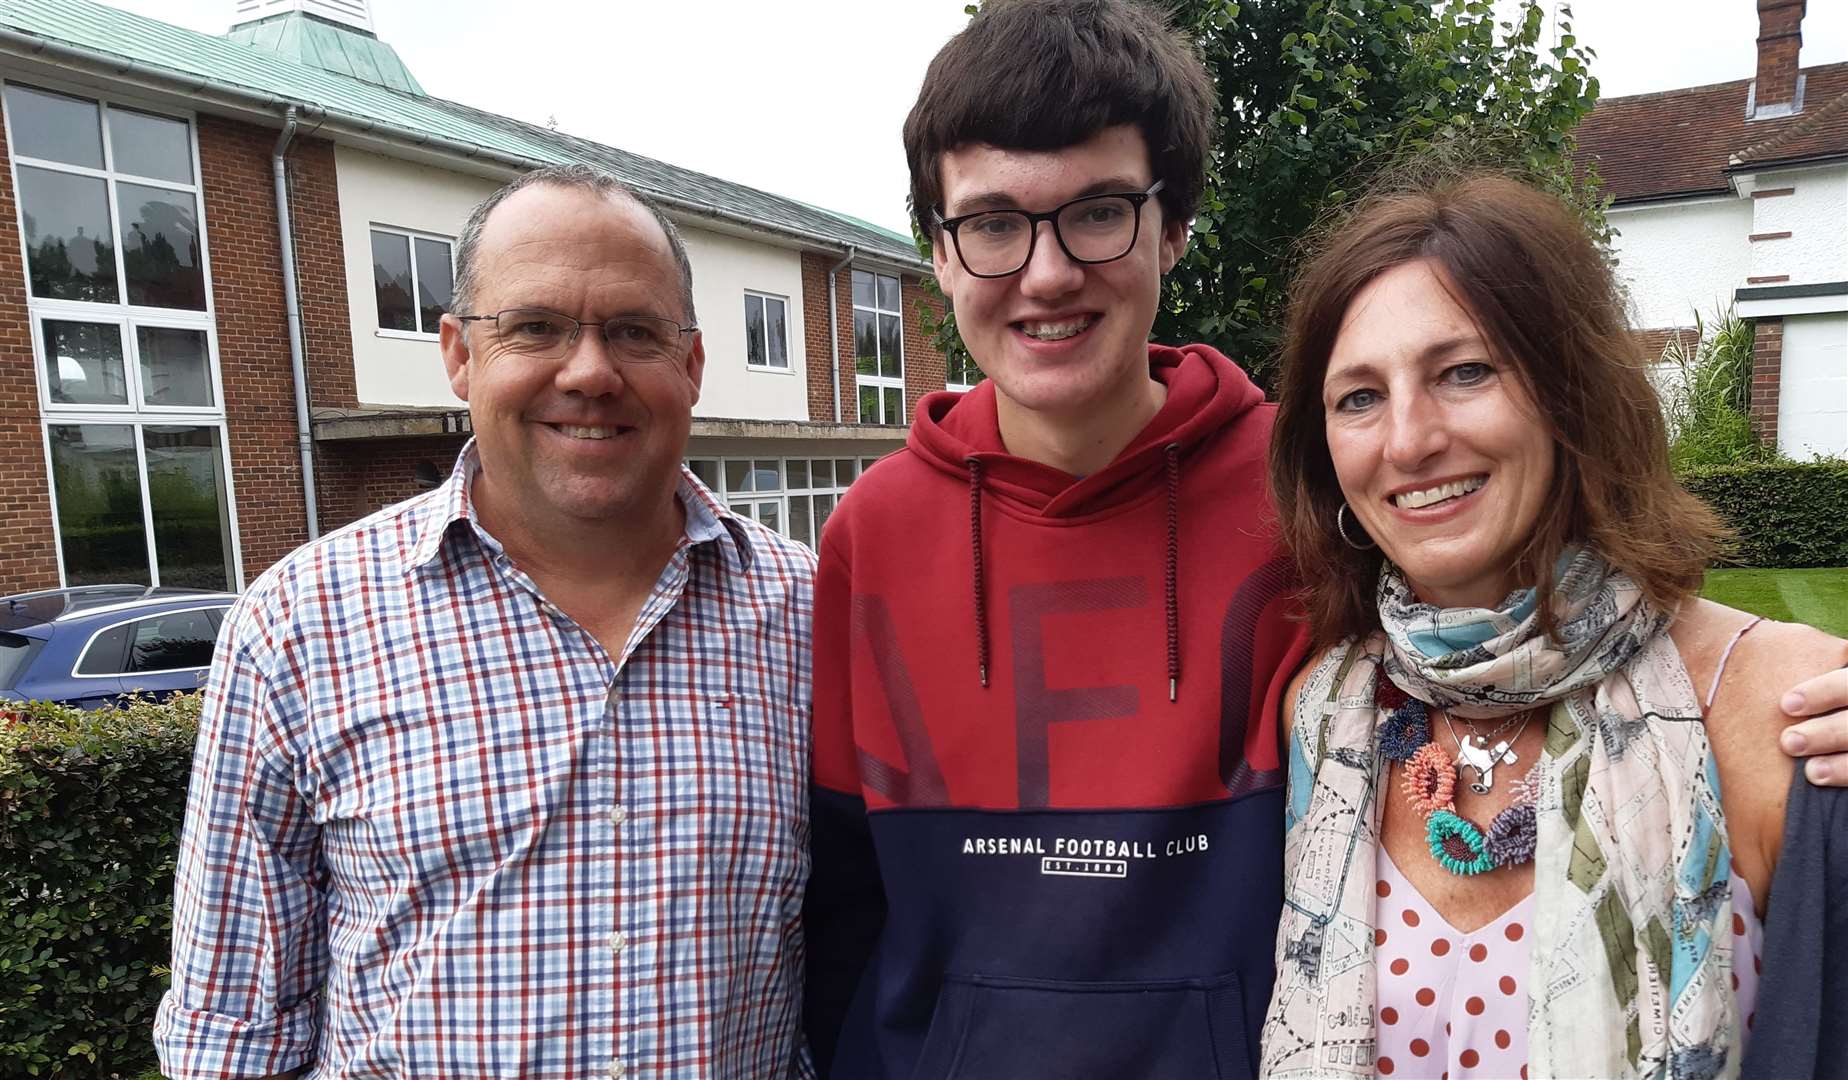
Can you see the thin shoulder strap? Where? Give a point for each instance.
(1724, 657)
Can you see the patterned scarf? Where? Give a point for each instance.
(1632, 947)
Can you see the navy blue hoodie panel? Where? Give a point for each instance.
(1122, 943)
(842, 915)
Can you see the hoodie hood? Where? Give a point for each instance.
(956, 432)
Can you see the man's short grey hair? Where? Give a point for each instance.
(577, 177)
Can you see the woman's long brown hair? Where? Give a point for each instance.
(1521, 264)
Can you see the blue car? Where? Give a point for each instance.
(90, 645)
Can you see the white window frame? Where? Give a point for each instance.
(136, 414)
(789, 364)
(745, 503)
(882, 382)
(952, 384)
(410, 244)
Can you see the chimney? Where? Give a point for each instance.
(1778, 90)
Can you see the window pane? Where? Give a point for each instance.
(103, 654)
(391, 281)
(824, 473)
(894, 406)
(435, 282)
(799, 530)
(55, 127)
(889, 363)
(754, 331)
(888, 293)
(68, 240)
(867, 463)
(865, 343)
(869, 404)
(862, 289)
(707, 470)
(160, 247)
(843, 471)
(83, 363)
(770, 514)
(150, 146)
(171, 642)
(98, 485)
(175, 366)
(186, 487)
(824, 505)
(767, 477)
(798, 471)
(737, 477)
(778, 333)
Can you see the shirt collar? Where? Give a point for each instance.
(707, 518)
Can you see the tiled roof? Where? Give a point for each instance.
(1680, 142)
(1818, 133)
(112, 36)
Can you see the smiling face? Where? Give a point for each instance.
(1436, 443)
(1060, 338)
(581, 440)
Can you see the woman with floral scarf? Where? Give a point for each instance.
(1536, 802)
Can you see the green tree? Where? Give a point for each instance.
(1316, 97)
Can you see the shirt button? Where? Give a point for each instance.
(619, 941)
(617, 1070)
(619, 815)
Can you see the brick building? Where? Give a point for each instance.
(155, 424)
(1735, 196)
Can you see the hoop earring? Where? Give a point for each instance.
(1341, 527)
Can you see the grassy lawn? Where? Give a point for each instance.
(1816, 597)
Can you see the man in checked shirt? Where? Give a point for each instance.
(510, 779)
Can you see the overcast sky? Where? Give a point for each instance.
(806, 98)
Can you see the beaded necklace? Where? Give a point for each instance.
(1458, 844)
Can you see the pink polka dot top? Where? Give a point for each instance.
(1454, 1005)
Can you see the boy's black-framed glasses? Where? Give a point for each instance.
(547, 335)
(1090, 229)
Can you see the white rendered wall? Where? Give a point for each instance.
(395, 370)
(1815, 215)
(1812, 404)
(724, 267)
(1680, 257)
(375, 190)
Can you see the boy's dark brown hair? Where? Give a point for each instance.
(1047, 74)
(1520, 262)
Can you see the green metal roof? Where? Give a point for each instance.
(321, 44)
(111, 36)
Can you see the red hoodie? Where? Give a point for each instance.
(1085, 604)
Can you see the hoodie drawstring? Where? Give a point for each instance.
(1171, 569)
(975, 549)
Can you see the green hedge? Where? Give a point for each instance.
(90, 810)
(1787, 514)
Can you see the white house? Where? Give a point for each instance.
(1736, 195)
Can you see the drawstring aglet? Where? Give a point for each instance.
(984, 676)
(1174, 686)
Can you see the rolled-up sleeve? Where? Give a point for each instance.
(249, 940)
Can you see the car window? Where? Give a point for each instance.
(172, 642)
(16, 651)
(103, 656)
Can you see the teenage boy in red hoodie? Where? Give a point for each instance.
(1051, 633)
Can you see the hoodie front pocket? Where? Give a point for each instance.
(992, 1028)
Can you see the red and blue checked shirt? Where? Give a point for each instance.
(436, 830)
